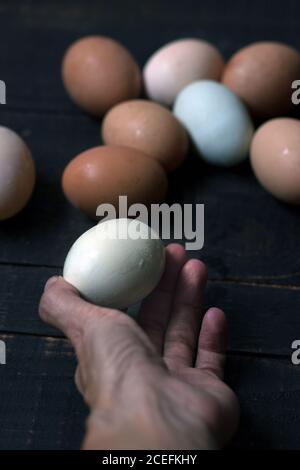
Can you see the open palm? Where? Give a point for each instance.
(156, 382)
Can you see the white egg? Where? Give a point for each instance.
(217, 121)
(116, 263)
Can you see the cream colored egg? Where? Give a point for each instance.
(17, 173)
(177, 64)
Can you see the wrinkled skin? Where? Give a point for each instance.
(153, 383)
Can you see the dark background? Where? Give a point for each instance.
(251, 240)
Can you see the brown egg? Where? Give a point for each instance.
(148, 127)
(98, 73)
(102, 174)
(275, 158)
(261, 74)
(17, 173)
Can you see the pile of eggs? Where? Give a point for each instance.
(194, 97)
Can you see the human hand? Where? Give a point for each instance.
(154, 383)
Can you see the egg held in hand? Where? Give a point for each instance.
(116, 263)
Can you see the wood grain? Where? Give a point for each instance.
(40, 408)
(249, 235)
(262, 319)
(269, 395)
(251, 240)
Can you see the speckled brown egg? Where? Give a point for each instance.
(102, 174)
(17, 173)
(98, 73)
(148, 127)
(275, 158)
(261, 74)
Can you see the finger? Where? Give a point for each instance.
(183, 329)
(62, 307)
(155, 310)
(212, 342)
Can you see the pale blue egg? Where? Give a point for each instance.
(216, 120)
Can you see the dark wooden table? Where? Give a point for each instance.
(251, 241)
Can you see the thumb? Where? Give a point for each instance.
(62, 307)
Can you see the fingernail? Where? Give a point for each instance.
(50, 282)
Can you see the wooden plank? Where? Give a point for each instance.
(248, 235)
(40, 408)
(20, 291)
(261, 319)
(269, 395)
(45, 230)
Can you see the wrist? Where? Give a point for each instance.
(132, 423)
(103, 434)
(146, 421)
